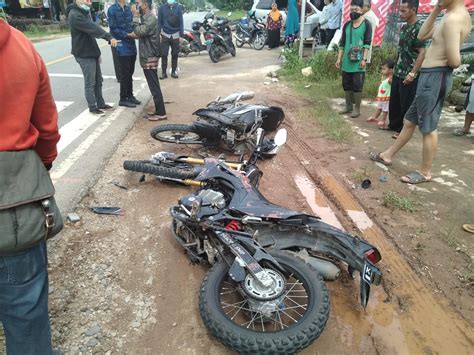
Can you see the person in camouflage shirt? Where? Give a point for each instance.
(411, 53)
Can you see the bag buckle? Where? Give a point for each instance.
(49, 222)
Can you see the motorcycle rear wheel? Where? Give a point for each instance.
(259, 41)
(253, 336)
(147, 167)
(214, 53)
(176, 133)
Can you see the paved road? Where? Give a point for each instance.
(86, 140)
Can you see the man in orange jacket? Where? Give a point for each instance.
(28, 120)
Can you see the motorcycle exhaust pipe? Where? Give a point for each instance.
(328, 270)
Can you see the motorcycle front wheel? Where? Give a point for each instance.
(239, 43)
(238, 315)
(233, 51)
(174, 172)
(259, 41)
(176, 133)
(214, 53)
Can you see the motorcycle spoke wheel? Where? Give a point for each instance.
(286, 319)
(259, 41)
(181, 134)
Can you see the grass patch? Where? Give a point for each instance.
(361, 174)
(236, 14)
(392, 200)
(40, 31)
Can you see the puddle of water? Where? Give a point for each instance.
(442, 182)
(449, 173)
(316, 201)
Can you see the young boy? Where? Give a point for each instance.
(383, 95)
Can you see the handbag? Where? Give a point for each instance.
(355, 52)
(28, 211)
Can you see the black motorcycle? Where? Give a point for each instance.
(265, 292)
(219, 39)
(253, 34)
(223, 122)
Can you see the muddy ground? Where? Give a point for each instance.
(120, 284)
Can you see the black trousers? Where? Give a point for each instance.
(166, 43)
(401, 97)
(329, 35)
(353, 81)
(151, 76)
(118, 74)
(127, 67)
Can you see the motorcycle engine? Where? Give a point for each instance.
(211, 201)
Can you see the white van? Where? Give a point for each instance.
(263, 7)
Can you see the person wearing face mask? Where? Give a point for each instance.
(352, 57)
(87, 53)
(145, 27)
(170, 25)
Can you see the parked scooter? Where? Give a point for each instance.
(219, 39)
(253, 34)
(191, 40)
(265, 292)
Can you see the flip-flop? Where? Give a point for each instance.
(468, 228)
(377, 158)
(459, 132)
(384, 128)
(414, 178)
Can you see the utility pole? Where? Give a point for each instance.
(302, 21)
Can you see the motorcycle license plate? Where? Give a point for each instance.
(209, 41)
(369, 273)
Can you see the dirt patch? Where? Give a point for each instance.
(121, 284)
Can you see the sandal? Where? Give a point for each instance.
(459, 132)
(378, 159)
(468, 228)
(371, 119)
(414, 177)
(383, 127)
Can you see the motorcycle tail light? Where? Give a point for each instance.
(373, 256)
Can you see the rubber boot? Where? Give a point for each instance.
(357, 101)
(349, 102)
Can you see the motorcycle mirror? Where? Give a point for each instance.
(281, 137)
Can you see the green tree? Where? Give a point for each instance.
(232, 4)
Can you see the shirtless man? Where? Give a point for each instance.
(434, 84)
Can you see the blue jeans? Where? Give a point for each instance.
(24, 302)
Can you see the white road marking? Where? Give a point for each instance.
(60, 75)
(61, 105)
(65, 165)
(73, 129)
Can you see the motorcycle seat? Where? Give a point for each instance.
(214, 115)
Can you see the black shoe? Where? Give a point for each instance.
(163, 76)
(127, 103)
(134, 100)
(174, 75)
(106, 107)
(97, 112)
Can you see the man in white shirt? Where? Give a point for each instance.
(370, 16)
(334, 15)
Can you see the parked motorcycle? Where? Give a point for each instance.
(180, 169)
(191, 40)
(253, 34)
(265, 292)
(219, 39)
(224, 122)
